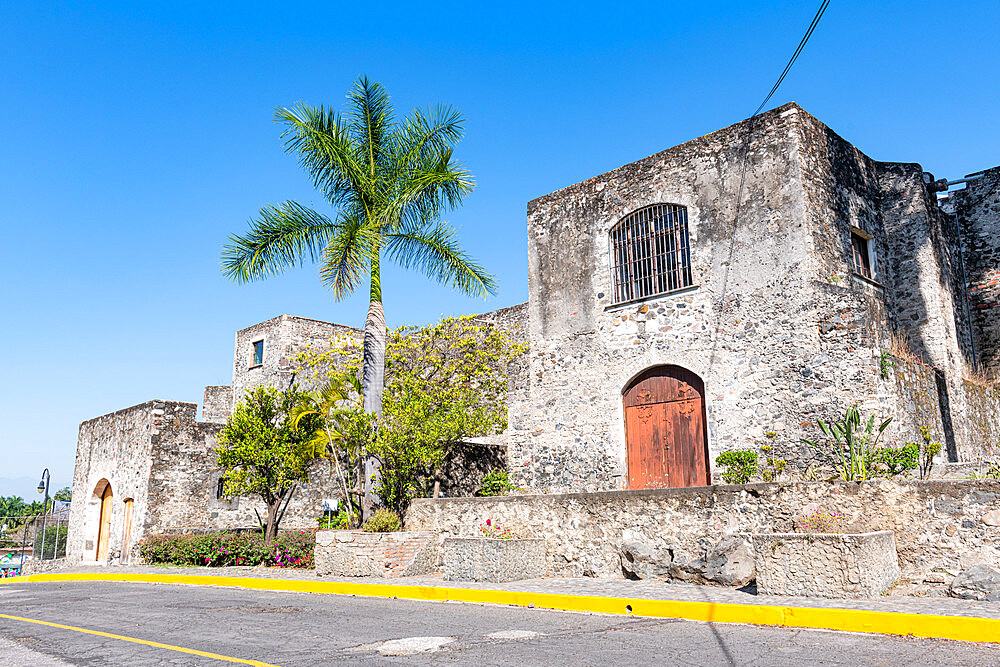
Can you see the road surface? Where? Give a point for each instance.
(170, 624)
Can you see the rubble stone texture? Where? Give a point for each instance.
(353, 553)
(976, 207)
(777, 324)
(488, 559)
(980, 582)
(939, 525)
(825, 565)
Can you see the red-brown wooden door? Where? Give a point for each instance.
(666, 444)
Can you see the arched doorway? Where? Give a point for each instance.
(666, 441)
(104, 519)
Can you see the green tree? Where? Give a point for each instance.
(343, 432)
(388, 182)
(13, 506)
(263, 453)
(64, 494)
(445, 383)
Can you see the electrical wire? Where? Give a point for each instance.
(795, 56)
(745, 158)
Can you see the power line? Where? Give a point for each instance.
(795, 56)
(745, 149)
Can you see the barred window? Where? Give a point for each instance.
(650, 254)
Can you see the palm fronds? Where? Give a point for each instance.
(280, 237)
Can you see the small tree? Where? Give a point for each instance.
(343, 431)
(263, 453)
(445, 383)
(64, 494)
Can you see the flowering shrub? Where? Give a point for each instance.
(494, 530)
(290, 549)
(819, 522)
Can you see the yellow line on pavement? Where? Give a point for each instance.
(203, 654)
(963, 628)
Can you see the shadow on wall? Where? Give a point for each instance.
(918, 267)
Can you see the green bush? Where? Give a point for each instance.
(290, 549)
(897, 460)
(382, 521)
(495, 483)
(741, 465)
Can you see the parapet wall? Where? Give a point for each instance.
(938, 524)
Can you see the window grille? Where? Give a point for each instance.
(650, 253)
(862, 255)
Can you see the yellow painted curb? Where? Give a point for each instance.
(962, 628)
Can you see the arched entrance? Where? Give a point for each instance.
(666, 442)
(104, 519)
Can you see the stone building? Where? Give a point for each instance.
(151, 468)
(722, 294)
(727, 292)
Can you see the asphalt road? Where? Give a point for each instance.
(308, 629)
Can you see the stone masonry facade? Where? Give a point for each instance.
(940, 525)
(777, 322)
(161, 457)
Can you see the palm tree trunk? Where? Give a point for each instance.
(372, 384)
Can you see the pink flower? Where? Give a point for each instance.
(488, 522)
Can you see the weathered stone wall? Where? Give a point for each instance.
(915, 291)
(465, 465)
(739, 327)
(912, 402)
(353, 553)
(938, 524)
(984, 407)
(117, 449)
(284, 337)
(778, 324)
(217, 404)
(977, 208)
(828, 566)
(184, 477)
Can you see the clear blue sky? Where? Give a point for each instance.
(137, 137)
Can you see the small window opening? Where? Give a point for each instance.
(650, 253)
(258, 353)
(861, 249)
(220, 488)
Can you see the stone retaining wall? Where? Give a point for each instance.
(858, 565)
(939, 524)
(354, 553)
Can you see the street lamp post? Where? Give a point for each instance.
(43, 487)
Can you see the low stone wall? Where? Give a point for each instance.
(486, 559)
(354, 553)
(939, 525)
(36, 566)
(826, 565)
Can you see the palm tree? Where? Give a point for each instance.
(388, 182)
(330, 440)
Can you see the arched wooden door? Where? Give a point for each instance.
(666, 442)
(104, 524)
